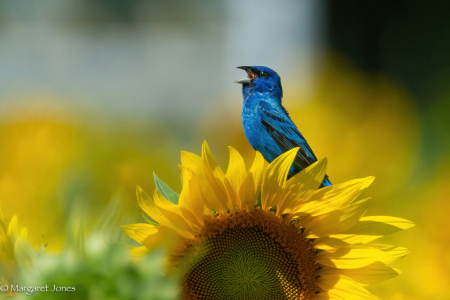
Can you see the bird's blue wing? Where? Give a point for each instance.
(284, 133)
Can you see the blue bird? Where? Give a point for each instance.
(267, 124)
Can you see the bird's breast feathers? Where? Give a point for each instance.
(256, 133)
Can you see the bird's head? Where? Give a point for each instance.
(261, 80)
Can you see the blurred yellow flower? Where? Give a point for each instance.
(51, 161)
(34, 159)
(13, 248)
(297, 242)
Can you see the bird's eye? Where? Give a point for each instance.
(263, 74)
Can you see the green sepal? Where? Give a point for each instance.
(258, 202)
(165, 190)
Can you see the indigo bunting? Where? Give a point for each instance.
(267, 124)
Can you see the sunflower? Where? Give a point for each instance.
(253, 235)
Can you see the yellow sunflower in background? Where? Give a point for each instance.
(295, 241)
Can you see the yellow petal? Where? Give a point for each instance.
(194, 163)
(328, 242)
(247, 194)
(149, 207)
(174, 215)
(342, 288)
(370, 228)
(186, 213)
(145, 202)
(211, 162)
(391, 253)
(274, 179)
(163, 237)
(250, 188)
(395, 224)
(219, 200)
(236, 172)
(334, 197)
(311, 177)
(257, 171)
(370, 274)
(300, 187)
(139, 232)
(192, 198)
(350, 257)
(334, 221)
(13, 228)
(24, 233)
(223, 192)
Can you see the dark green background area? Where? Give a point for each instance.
(408, 42)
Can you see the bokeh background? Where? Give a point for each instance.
(97, 95)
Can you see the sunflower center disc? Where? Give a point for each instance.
(249, 255)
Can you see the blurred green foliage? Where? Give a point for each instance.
(104, 271)
(91, 265)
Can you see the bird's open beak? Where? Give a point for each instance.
(244, 81)
(250, 78)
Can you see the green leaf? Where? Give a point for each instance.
(165, 190)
